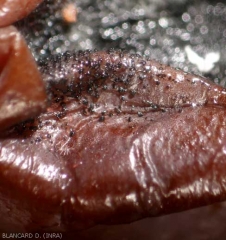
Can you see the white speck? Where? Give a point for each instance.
(72, 199)
(82, 201)
(43, 52)
(64, 176)
(152, 25)
(152, 41)
(108, 201)
(163, 22)
(179, 78)
(147, 68)
(58, 50)
(131, 197)
(205, 64)
(186, 17)
(125, 26)
(224, 149)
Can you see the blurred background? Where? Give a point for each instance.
(186, 34)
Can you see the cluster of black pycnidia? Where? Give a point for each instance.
(79, 80)
(82, 77)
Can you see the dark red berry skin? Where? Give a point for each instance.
(123, 138)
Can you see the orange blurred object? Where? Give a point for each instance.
(69, 13)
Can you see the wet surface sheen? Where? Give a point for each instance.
(123, 138)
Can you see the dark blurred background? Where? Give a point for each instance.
(187, 34)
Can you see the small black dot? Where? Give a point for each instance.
(101, 118)
(48, 135)
(140, 114)
(38, 139)
(72, 133)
